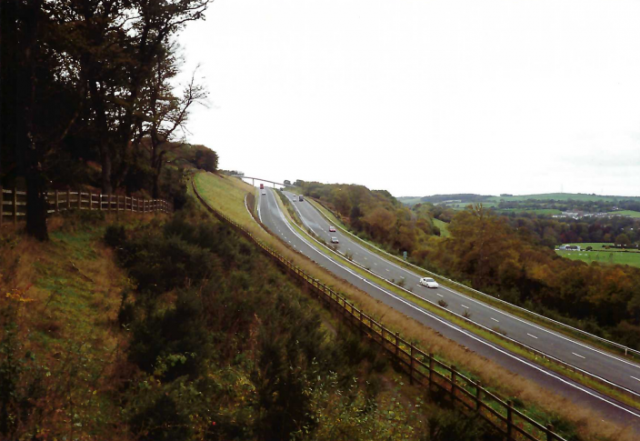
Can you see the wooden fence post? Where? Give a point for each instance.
(509, 419)
(68, 199)
(411, 365)
(397, 343)
(549, 431)
(57, 202)
(430, 369)
(478, 395)
(15, 205)
(100, 200)
(1, 205)
(453, 384)
(79, 199)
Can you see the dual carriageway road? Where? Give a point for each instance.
(578, 354)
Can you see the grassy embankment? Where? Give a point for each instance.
(58, 319)
(495, 338)
(227, 194)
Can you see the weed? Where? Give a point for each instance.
(443, 303)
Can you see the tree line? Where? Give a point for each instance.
(87, 96)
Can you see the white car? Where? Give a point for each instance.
(429, 282)
(334, 240)
(264, 192)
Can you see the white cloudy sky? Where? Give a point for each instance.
(421, 97)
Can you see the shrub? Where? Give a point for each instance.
(443, 303)
(115, 235)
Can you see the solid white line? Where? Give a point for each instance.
(637, 379)
(578, 355)
(531, 335)
(464, 306)
(495, 320)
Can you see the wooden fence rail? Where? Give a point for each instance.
(423, 369)
(13, 203)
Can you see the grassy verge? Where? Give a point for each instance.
(476, 329)
(58, 333)
(511, 309)
(557, 410)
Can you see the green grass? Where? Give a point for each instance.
(444, 227)
(628, 213)
(604, 257)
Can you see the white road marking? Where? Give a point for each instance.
(578, 355)
(439, 295)
(495, 320)
(531, 335)
(464, 306)
(387, 270)
(637, 379)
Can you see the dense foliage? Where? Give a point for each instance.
(226, 348)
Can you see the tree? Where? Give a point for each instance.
(166, 113)
(622, 240)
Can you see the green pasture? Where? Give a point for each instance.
(605, 257)
(628, 213)
(444, 227)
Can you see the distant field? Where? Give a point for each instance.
(542, 211)
(409, 200)
(444, 227)
(629, 213)
(563, 197)
(610, 257)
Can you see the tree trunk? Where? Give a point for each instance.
(26, 143)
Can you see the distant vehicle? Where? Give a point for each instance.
(332, 229)
(261, 186)
(264, 192)
(334, 240)
(287, 182)
(300, 198)
(429, 282)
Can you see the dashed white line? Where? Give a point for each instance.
(464, 306)
(637, 379)
(495, 320)
(439, 295)
(578, 355)
(531, 335)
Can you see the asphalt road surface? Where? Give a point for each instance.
(612, 368)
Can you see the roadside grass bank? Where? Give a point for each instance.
(584, 421)
(495, 336)
(552, 323)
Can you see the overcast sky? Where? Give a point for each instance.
(423, 97)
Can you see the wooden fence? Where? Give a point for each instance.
(13, 203)
(423, 368)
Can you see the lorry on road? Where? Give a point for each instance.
(261, 186)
